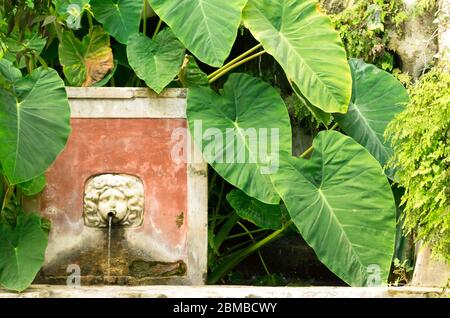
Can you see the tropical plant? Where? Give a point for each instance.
(420, 137)
(334, 195)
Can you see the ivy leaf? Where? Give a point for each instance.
(343, 206)
(304, 43)
(22, 251)
(156, 61)
(120, 18)
(207, 28)
(86, 62)
(377, 98)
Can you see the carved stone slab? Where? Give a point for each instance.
(120, 197)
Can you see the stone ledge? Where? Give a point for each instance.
(47, 291)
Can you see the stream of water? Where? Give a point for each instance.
(109, 244)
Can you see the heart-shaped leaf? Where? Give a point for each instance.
(245, 127)
(22, 251)
(72, 11)
(34, 124)
(207, 28)
(377, 97)
(86, 62)
(266, 216)
(120, 18)
(343, 206)
(305, 44)
(156, 61)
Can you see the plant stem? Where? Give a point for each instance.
(91, 23)
(259, 252)
(230, 237)
(41, 60)
(225, 230)
(216, 210)
(229, 68)
(234, 259)
(310, 149)
(7, 197)
(233, 250)
(144, 27)
(58, 32)
(240, 57)
(211, 182)
(157, 28)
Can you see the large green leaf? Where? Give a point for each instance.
(207, 28)
(22, 251)
(247, 110)
(343, 206)
(377, 97)
(267, 216)
(34, 124)
(156, 61)
(86, 62)
(305, 44)
(120, 18)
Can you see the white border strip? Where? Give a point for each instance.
(124, 102)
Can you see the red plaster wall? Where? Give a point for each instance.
(140, 147)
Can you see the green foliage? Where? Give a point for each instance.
(85, 62)
(33, 186)
(34, 123)
(157, 61)
(420, 137)
(364, 28)
(190, 73)
(22, 251)
(246, 109)
(292, 32)
(266, 216)
(422, 6)
(207, 28)
(328, 200)
(120, 18)
(377, 97)
(298, 36)
(71, 11)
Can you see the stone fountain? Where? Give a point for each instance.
(124, 208)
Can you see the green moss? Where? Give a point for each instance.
(364, 28)
(420, 137)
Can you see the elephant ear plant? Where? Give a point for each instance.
(34, 126)
(336, 194)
